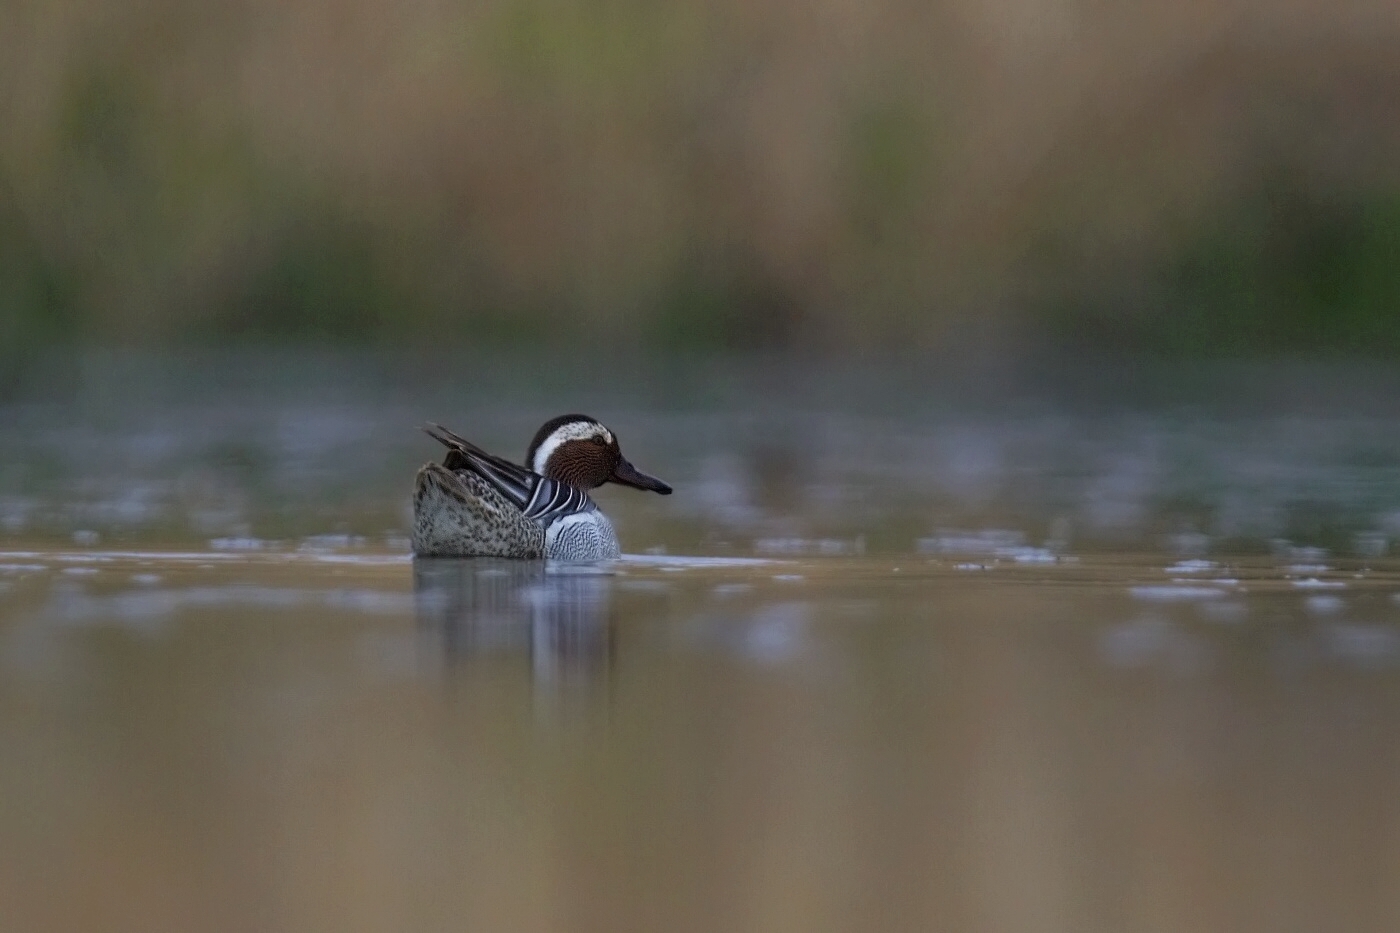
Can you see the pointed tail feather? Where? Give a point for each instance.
(451, 439)
(538, 497)
(514, 481)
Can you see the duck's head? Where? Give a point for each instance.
(577, 450)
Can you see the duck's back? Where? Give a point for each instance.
(459, 514)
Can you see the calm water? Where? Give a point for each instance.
(1011, 663)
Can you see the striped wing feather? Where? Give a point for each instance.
(538, 497)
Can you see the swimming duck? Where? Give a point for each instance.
(476, 504)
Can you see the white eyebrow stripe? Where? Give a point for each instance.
(573, 431)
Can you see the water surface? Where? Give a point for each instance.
(1022, 665)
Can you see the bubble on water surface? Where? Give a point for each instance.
(776, 633)
(149, 607)
(1223, 611)
(1366, 644)
(331, 542)
(823, 547)
(654, 587)
(1192, 566)
(1370, 543)
(986, 541)
(1029, 555)
(1313, 583)
(1152, 640)
(1170, 594)
(684, 562)
(1000, 543)
(1323, 605)
(237, 543)
(1189, 544)
(15, 512)
(374, 602)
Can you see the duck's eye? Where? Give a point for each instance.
(598, 439)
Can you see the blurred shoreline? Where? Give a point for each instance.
(855, 178)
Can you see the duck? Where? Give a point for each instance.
(476, 504)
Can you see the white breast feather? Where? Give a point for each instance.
(582, 536)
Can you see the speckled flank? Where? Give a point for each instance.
(461, 515)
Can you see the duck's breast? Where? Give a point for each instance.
(581, 536)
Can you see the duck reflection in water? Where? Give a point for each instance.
(558, 615)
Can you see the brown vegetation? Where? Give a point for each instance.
(693, 174)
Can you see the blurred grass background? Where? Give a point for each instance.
(829, 176)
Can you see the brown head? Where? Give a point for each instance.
(577, 450)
